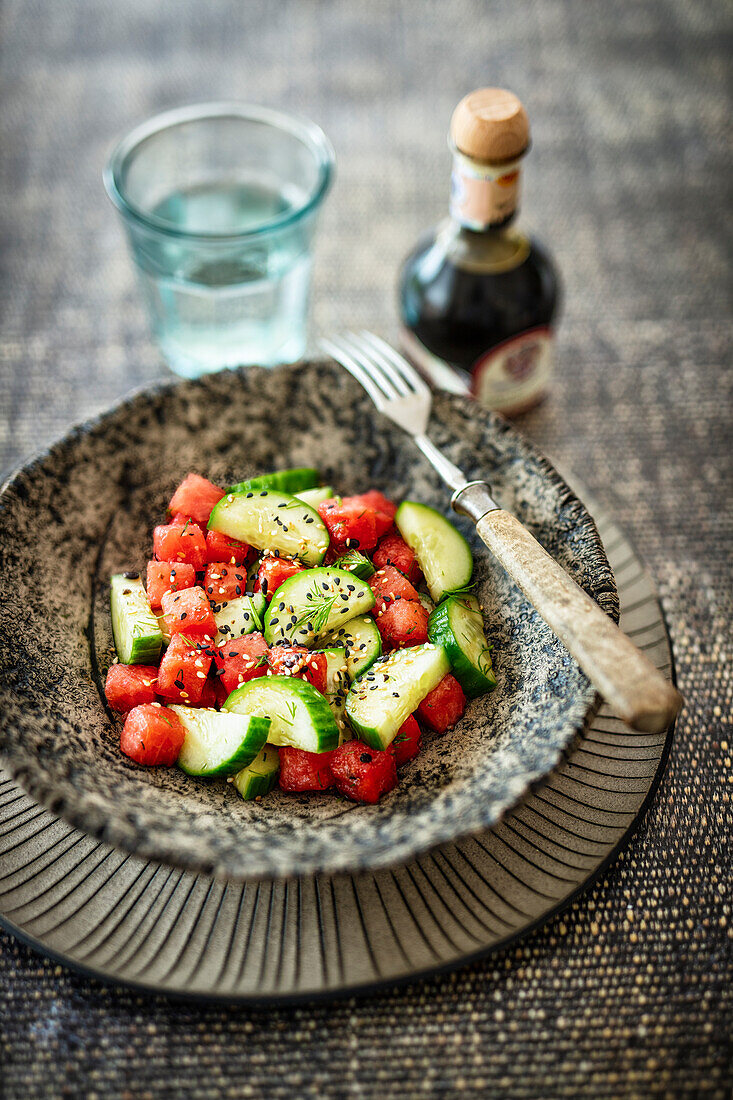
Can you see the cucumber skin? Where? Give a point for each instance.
(282, 594)
(142, 651)
(440, 632)
(408, 505)
(258, 730)
(326, 728)
(257, 783)
(285, 481)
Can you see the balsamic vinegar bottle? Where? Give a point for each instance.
(478, 297)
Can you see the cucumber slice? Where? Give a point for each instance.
(387, 694)
(270, 520)
(314, 497)
(312, 603)
(442, 552)
(138, 639)
(300, 715)
(218, 743)
(458, 625)
(356, 563)
(285, 481)
(362, 642)
(237, 617)
(338, 682)
(259, 777)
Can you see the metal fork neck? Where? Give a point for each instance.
(450, 473)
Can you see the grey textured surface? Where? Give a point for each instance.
(629, 993)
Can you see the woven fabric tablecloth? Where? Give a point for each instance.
(629, 992)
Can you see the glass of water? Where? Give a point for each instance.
(220, 203)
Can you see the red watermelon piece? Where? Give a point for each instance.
(443, 706)
(152, 735)
(195, 497)
(129, 686)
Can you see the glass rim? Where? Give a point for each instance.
(306, 131)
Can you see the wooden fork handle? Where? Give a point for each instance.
(634, 689)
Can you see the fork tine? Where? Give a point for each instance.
(380, 370)
(346, 359)
(405, 369)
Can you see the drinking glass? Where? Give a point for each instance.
(220, 202)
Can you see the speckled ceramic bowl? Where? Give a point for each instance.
(85, 509)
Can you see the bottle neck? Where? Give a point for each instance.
(484, 197)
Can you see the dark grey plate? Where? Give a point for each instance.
(85, 509)
(126, 919)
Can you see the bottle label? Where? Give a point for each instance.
(514, 375)
(482, 194)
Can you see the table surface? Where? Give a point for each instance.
(629, 992)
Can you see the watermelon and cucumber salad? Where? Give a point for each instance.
(281, 634)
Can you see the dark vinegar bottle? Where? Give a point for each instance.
(478, 297)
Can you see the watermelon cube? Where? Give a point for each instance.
(223, 582)
(129, 686)
(362, 773)
(406, 744)
(403, 623)
(241, 660)
(220, 547)
(298, 661)
(152, 735)
(350, 522)
(183, 671)
(195, 497)
(443, 706)
(384, 510)
(273, 571)
(393, 550)
(180, 542)
(388, 585)
(188, 612)
(165, 576)
(304, 771)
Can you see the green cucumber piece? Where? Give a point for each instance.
(270, 520)
(300, 716)
(441, 551)
(138, 638)
(285, 481)
(314, 602)
(238, 617)
(458, 625)
(362, 642)
(259, 777)
(218, 743)
(387, 693)
(314, 497)
(357, 563)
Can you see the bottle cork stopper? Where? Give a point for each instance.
(491, 125)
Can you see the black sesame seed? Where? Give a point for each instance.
(263, 493)
(249, 495)
(184, 614)
(131, 575)
(238, 589)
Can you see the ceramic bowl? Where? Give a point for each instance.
(85, 509)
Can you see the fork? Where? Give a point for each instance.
(634, 689)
